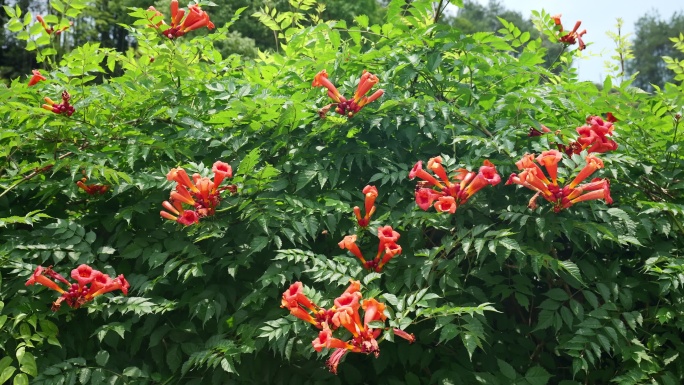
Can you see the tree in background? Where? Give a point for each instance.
(475, 17)
(102, 23)
(14, 59)
(652, 42)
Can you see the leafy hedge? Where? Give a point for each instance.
(495, 293)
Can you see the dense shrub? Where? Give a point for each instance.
(496, 292)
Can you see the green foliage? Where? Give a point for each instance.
(495, 293)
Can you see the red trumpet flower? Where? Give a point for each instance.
(182, 22)
(571, 37)
(447, 194)
(201, 193)
(534, 179)
(344, 106)
(344, 314)
(387, 248)
(89, 284)
(92, 189)
(370, 193)
(37, 77)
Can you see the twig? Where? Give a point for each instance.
(40, 171)
(438, 11)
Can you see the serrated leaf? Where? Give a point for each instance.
(448, 332)
(537, 375)
(507, 370)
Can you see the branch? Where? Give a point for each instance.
(40, 170)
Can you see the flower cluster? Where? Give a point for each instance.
(92, 189)
(534, 178)
(592, 137)
(445, 194)
(387, 248)
(342, 105)
(37, 77)
(50, 30)
(571, 37)
(370, 193)
(343, 315)
(89, 284)
(201, 193)
(182, 23)
(61, 108)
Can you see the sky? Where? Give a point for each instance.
(598, 17)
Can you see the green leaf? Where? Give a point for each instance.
(507, 370)
(57, 5)
(537, 375)
(7, 372)
(84, 375)
(20, 379)
(470, 342)
(102, 357)
(362, 21)
(27, 364)
(448, 333)
(9, 11)
(558, 294)
(572, 269)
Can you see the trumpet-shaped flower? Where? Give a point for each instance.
(200, 193)
(349, 243)
(408, 337)
(303, 308)
(571, 37)
(593, 137)
(92, 189)
(425, 197)
(182, 21)
(387, 248)
(294, 296)
(39, 276)
(561, 197)
(593, 164)
(89, 284)
(417, 171)
(221, 171)
(321, 80)
(549, 159)
(344, 106)
(370, 194)
(344, 314)
(373, 311)
(447, 194)
(37, 77)
(387, 235)
(446, 204)
(326, 340)
(49, 29)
